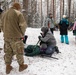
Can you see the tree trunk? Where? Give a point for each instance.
(25, 9)
(69, 8)
(47, 6)
(63, 7)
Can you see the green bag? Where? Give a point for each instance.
(32, 50)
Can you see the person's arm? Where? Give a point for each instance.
(46, 38)
(22, 24)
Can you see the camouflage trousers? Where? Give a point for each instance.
(13, 47)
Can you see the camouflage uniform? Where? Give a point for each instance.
(13, 27)
(13, 47)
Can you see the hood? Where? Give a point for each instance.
(44, 29)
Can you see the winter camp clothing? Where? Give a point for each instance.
(13, 23)
(64, 38)
(63, 25)
(49, 40)
(13, 26)
(32, 50)
(49, 22)
(12, 47)
(48, 37)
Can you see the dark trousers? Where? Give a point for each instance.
(52, 30)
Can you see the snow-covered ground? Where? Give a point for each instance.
(66, 65)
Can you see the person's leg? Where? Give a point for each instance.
(62, 39)
(8, 56)
(66, 39)
(19, 51)
(50, 50)
(51, 29)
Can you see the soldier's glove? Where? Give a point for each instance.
(39, 37)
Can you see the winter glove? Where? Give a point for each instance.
(39, 37)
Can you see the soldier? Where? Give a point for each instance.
(13, 26)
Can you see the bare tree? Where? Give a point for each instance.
(69, 8)
(47, 6)
(61, 8)
(25, 9)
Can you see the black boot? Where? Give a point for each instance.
(57, 50)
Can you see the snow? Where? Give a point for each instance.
(66, 65)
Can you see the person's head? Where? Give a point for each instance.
(50, 15)
(16, 6)
(64, 16)
(44, 30)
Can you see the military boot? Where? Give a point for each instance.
(22, 67)
(8, 69)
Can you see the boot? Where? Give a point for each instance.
(57, 50)
(8, 69)
(22, 67)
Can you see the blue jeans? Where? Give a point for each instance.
(50, 50)
(64, 38)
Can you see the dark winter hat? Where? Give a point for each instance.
(44, 29)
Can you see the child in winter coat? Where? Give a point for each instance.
(48, 42)
(63, 25)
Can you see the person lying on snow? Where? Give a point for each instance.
(47, 44)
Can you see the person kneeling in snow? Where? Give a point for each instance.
(47, 42)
